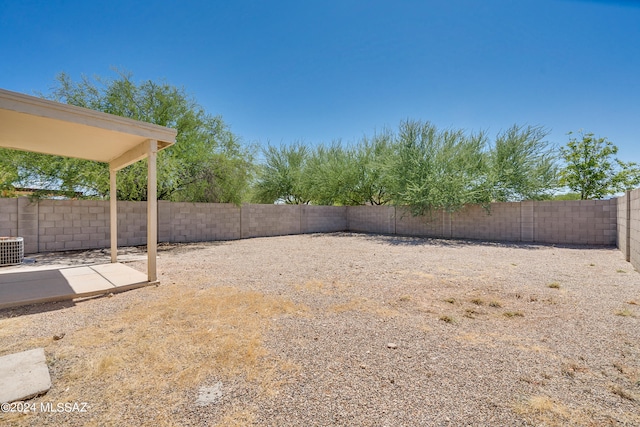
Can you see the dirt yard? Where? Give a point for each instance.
(348, 329)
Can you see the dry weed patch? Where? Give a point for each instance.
(314, 286)
(12, 325)
(239, 418)
(544, 410)
(471, 313)
(625, 312)
(570, 368)
(167, 349)
(20, 327)
(624, 393)
(510, 314)
(448, 319)
(630, 373)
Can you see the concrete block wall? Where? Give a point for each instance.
(56, 225)
(59, 225)
(622, 224)
(9, 218)
(132, 223)
(323, 219)
(527, 221)
(500, 222)
(634, 229)
(269, 220)
(28, 224)
(439, 225)
(581, 222)
(71, 224)
(372, 219)
(588, 222)
(197, 222)
(19, 218)
(84, 224)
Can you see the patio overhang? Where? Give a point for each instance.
(38, 125)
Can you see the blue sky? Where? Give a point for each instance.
(319, 71)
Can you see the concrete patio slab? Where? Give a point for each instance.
(30, 286)
(23, 375)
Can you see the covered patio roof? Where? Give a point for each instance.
(43, 126)
(38, 125)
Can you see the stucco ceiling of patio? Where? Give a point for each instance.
(42, 126)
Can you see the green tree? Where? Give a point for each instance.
(8, 172)
(593, 171)
(329, 175)
(371, 160)
(280, 177)
(335, 175)
(566, 196)
(522, 165)
(207, 164)
(433, 169)
(419, 167)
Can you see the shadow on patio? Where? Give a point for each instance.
(46, 284)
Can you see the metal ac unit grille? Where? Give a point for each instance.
(11, 250)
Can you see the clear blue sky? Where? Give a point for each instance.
(318, 71)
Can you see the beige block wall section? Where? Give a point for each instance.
(84, 224)
(437, 225)
(527, 221)
(57, 225)
(280, 220)
(132, 223)
(500, 222)
(9, 217)
(582, 222)
(323, 219)
(621, 225)
(28, 224)
(197, 222)
(269, 220)
(372, 219)
(588, 222)
(634, 229)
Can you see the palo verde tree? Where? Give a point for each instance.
(431, 169)
(419, 166)
(522, 165)
(371, 158)
(593, 171)
(335, 175)
(280, 177)
(329, 175)
(207, 164)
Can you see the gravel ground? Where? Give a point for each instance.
(403, 331)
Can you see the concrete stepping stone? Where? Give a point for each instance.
(23, 375)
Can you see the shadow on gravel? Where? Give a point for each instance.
(27, 310)
(394, 240)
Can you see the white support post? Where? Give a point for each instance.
(152, 211)
(113, 214)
